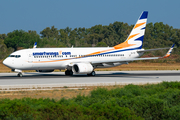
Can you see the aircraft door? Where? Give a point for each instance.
(30, 57)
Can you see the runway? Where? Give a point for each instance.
(58, 79)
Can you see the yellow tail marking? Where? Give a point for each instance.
(126, 44)
(137, 25)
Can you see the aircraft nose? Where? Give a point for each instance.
(5, 62)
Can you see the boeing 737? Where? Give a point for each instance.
(83, 60)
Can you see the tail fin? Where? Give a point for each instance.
(35, 45)
(135, 39)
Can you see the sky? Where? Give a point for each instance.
(38, 14)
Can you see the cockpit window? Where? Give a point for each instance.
(16, 56)
(11, 55)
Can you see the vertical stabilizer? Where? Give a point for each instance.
(135, 39)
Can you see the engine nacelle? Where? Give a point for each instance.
(82, 68)
(44, 70)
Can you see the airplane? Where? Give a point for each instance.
(83, 60)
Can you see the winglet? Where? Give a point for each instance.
(35, 45)
(169, 52)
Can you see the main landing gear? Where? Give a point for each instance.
(69, 72)
(92, 73)
(19, 74)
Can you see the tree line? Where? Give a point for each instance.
(152, 101)
(157, 35)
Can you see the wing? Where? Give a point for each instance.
(152, 49)
(134, 59)
(125, 60)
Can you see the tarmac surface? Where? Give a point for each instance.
(58, 79)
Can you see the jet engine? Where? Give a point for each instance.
(82, 68)
(44, 70)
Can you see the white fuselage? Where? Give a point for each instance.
(62, 58)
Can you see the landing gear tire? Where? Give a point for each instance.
(68, 72)
(19, 75)
(71, 72)
(92, 73)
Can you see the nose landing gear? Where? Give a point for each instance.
(18, 71)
